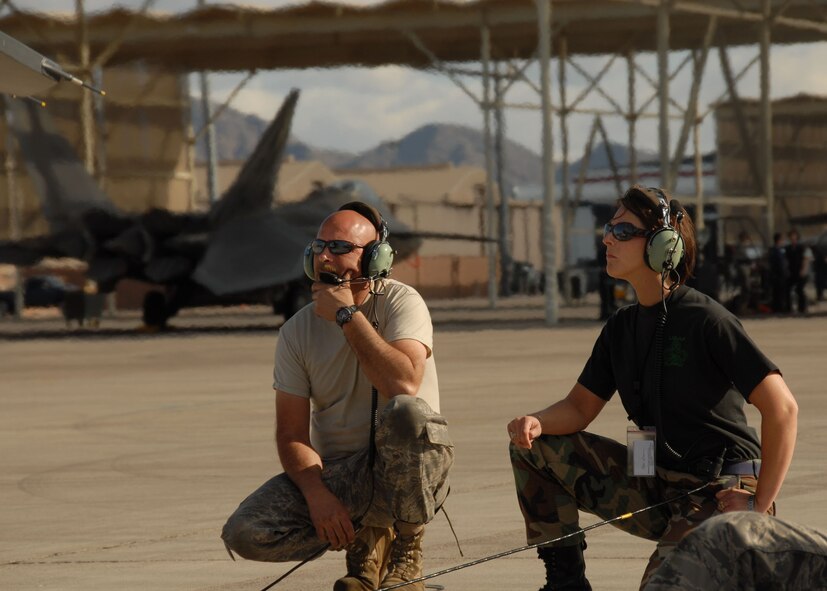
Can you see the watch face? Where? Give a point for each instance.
(343, 315)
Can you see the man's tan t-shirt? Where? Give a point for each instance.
(314, 360)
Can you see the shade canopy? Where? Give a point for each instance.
(328, 34)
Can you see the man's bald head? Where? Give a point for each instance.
(347, 225)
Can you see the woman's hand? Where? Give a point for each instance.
(524, 430)
(733, 499)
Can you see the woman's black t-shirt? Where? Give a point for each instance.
(709, 367)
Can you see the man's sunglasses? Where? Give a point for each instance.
(623, 231)
(335, 246)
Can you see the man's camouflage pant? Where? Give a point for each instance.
(563, 474)
(409, 483)
(744, 550)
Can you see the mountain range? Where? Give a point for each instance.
(434, 143)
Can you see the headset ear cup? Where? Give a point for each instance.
(377, 259)
(664, 249)
(307, 259)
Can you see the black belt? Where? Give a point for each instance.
(742, 468)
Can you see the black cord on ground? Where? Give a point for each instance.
(546, 543)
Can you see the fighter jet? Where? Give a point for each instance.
(242, 250)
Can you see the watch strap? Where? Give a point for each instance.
(345, 314)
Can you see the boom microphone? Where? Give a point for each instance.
(333, 279)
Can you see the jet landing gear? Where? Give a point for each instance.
(155, 314)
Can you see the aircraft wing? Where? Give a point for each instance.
(252, 251)
(21, 69)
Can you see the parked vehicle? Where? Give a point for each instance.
(40, 291)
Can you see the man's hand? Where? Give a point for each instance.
(331, 519)
(329, 298)
(524, 430)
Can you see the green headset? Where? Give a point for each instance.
(664, 245)
(377, 255)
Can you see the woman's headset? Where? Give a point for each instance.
(377, 255)
(664, 245)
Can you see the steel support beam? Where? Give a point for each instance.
(691, 112)
(766, 118)
(631, 115)
(741, 121)
(544, 19)
(565, 200)
(662, 33)
(504, 223)
(13, 202)
(485, 55)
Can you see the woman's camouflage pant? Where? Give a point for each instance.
(409, 483)
(563, 474)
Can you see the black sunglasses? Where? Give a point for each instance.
(336, 246)
(623, 231)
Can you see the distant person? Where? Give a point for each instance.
(684, 366)
(744, 550)
(798, 260)
(779, 275)
(362, 349)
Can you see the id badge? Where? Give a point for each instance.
(640, 451)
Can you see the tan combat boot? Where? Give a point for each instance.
(366, 557)
(405, 561)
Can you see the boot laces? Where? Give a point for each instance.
(406, 555)
(359, 557)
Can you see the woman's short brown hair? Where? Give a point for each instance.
(644, 202)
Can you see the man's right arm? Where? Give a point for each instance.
(304, 467)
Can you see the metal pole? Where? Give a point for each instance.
(663, 89)
(631, 118)
(86, 111)
(100, 123)
(699, 173)
(14, 210)
(504, 221)
(212, 157)
(766, 118)
(489, 165)
(189, 139)
(565, 199)
(549, 249)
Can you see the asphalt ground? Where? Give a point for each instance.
(123, 453)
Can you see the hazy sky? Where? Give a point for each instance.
(353, 109)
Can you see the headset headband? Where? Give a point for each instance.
(371, 214)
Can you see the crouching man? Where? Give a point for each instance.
(364, 449)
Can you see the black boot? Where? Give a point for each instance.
(565, 568)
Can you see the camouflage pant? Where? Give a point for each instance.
(563, 474)
(409, 483)
(745, 551)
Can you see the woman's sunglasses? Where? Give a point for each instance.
(623, 231)
(335, 246)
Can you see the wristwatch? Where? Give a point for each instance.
(345, 314)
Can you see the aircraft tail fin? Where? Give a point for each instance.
(65, 188)
(254, 186)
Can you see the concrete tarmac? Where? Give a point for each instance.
(123, 454)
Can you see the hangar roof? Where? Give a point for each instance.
(330, 34)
